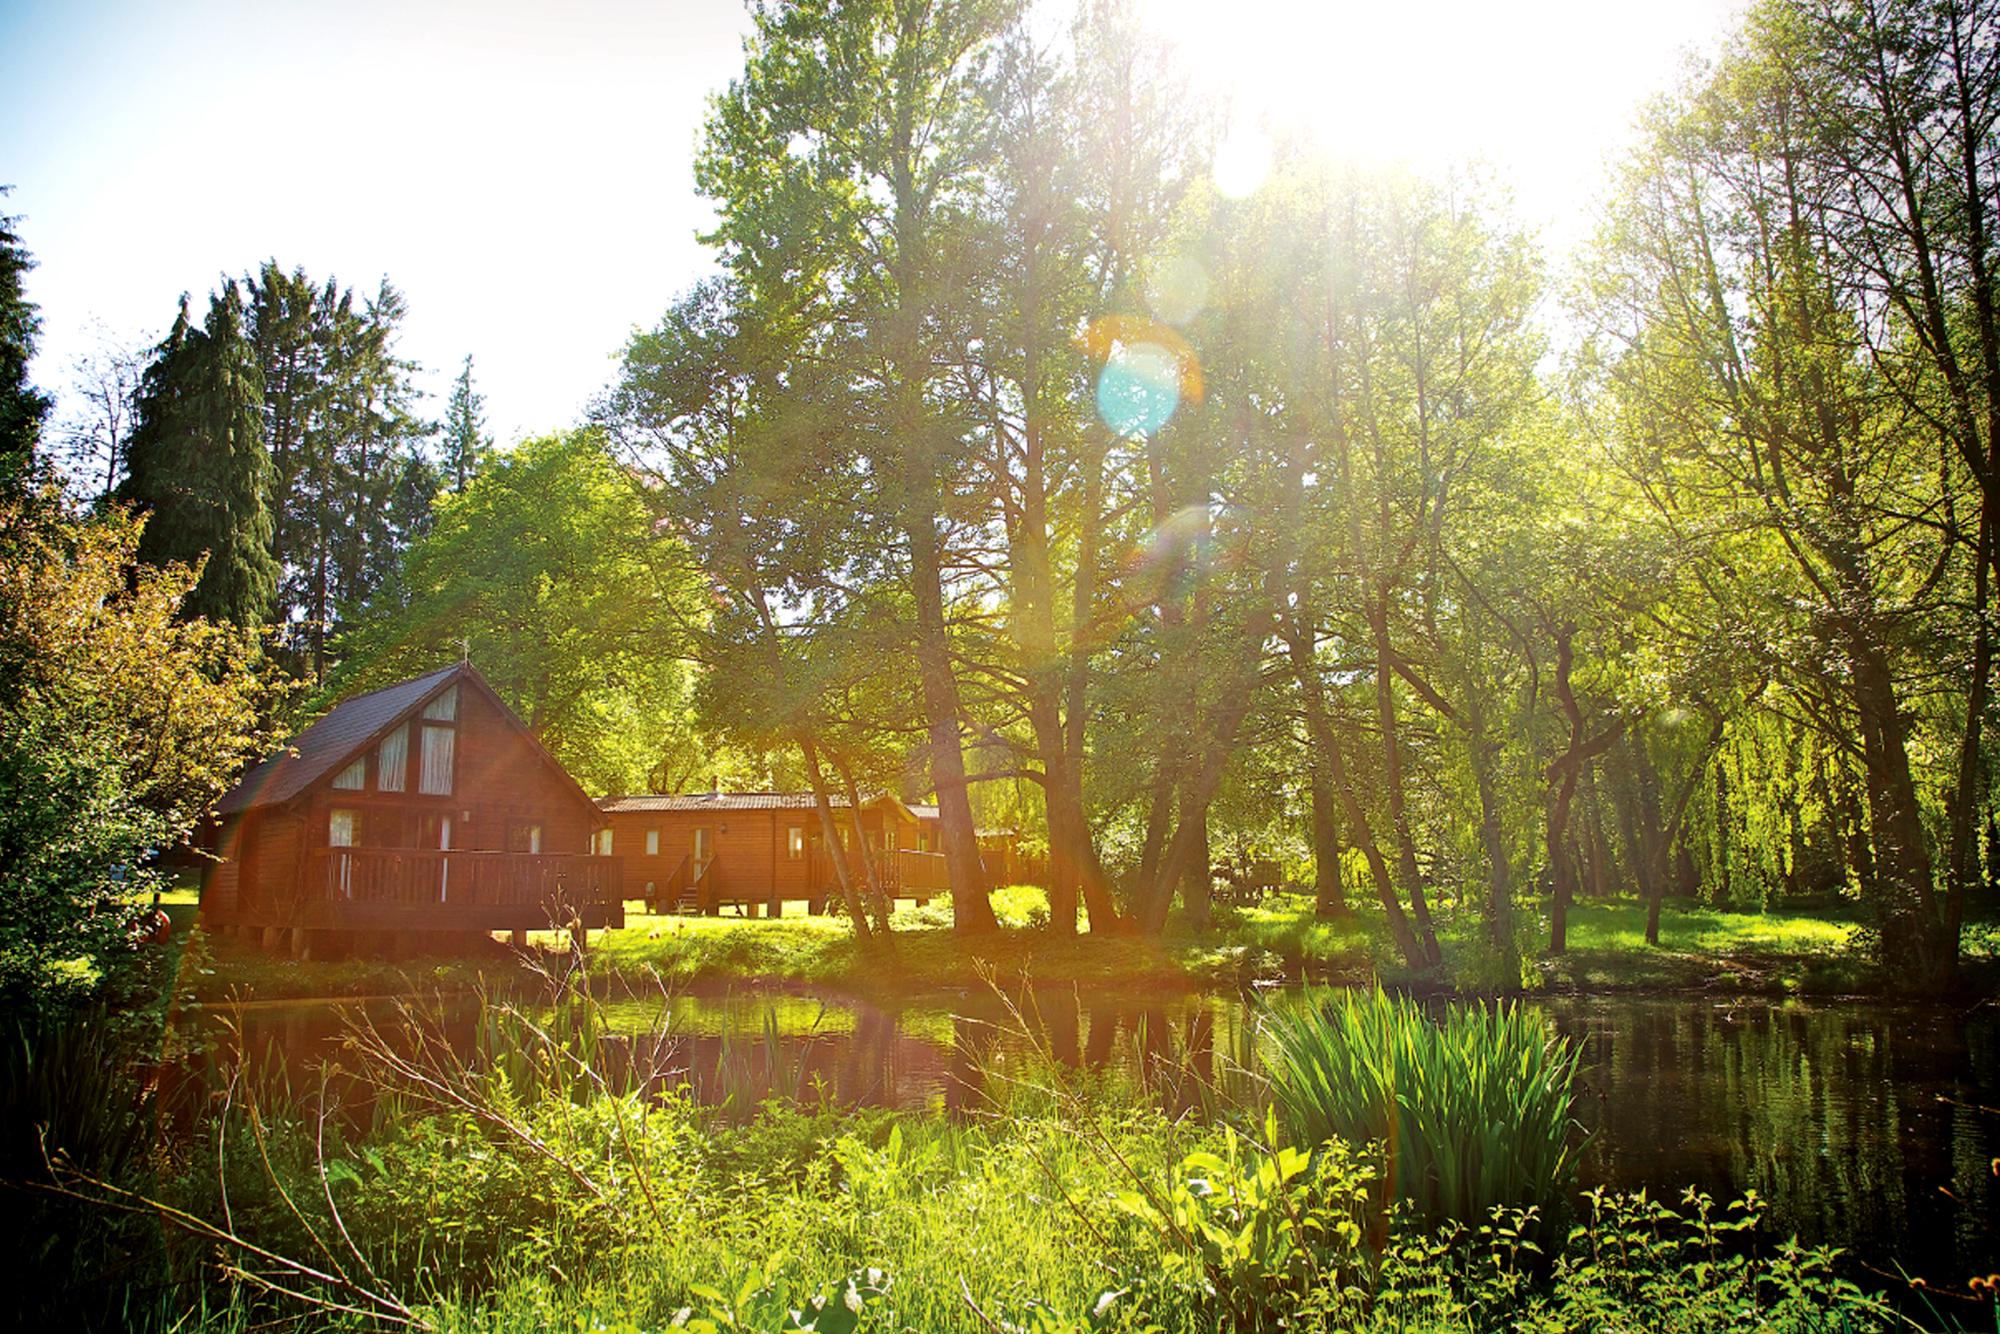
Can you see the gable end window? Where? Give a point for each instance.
(440, 745)
(354, 777)
(392, 760)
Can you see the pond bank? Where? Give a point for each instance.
(1703, 952)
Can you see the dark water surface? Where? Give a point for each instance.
(1865, 1126)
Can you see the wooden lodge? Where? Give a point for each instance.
(423, 808)
(697, 852)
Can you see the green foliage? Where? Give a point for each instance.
(1472, 1108)
(467, 447)
(22, 406)
(546, 570)
(349, 484)
(1253, 1229)
(120, 721)
(198, 469)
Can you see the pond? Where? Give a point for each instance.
(1870, 1127)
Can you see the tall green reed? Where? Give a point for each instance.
(1472, 1107)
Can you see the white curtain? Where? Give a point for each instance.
(435, 778)
(392, 760)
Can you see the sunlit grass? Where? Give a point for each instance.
(1622, 926)
(1777, 951)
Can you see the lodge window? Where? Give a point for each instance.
(923, 842)
(889, 839)
(343, 828)
(795, 842)
(440, 745)
(524, 837)
(392, 760)
(652, 842)
(604, 842)
(354, 777)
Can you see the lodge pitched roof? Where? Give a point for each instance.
(720, 801)
(331, 739)
(347, 730)
(759, 801)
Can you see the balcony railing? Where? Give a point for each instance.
(458, 889)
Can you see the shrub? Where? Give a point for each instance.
(1472, 1110)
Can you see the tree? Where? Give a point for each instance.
(467, 447)
(546, 572)
(121, 719)
(22, 406)
(198, 469)
(1812, 496)
(747, 470)
(95, 437)
(843, 163)
(350, 483)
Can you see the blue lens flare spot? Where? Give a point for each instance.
(1139, 388)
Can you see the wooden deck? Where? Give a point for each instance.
(416, 890)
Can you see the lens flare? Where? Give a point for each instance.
(1145, 371)
(1139, 388)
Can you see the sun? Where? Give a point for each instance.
(1541, 91)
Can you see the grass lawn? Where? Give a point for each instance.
(1702, 949)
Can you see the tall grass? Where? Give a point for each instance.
(1472, 1108)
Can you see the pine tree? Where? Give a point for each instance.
(199, 468)
(466, 445)
(22, 406)
(351, 485)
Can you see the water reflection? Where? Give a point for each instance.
(1864, 1126)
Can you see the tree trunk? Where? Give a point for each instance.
(1499, 912)
(830, 832)
(876, 894)
(1329, 898)
(1913, 933)
(1326, 748)
(971, 909)
(1968, 789)
(1197, 889)
(1392, 781)
(1094, 885)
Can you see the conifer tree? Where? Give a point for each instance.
(199, 468)
(22, 406)
(466, 444)
(351, 486)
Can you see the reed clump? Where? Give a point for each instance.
(1472, 1106)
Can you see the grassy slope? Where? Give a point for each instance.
(1701, 949)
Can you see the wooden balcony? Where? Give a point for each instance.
(903, 874)
(411, 889)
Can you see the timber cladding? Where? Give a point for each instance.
(426, 806)
(761, 847)
(755, 848)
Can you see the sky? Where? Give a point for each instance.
(524, 172)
